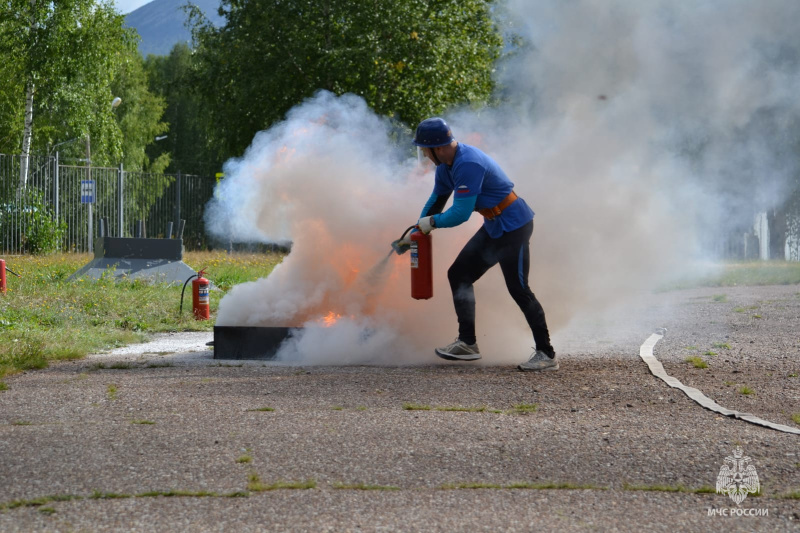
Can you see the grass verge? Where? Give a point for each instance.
(737, 273)
(44, 317)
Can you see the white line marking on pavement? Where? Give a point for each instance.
(657, 369)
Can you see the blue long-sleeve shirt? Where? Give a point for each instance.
(477, 182)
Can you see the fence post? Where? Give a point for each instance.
(55, 189)
(178, 198)
(121, 204)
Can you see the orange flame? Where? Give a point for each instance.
(330, 319)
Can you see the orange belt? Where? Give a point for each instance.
(491, 212)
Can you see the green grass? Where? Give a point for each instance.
(458, 408)
(738, 273)
(697, 362)
(143, 422)
(520, 485)
(670, 488)
(524, 408)
(254, 484)
(746, 390)
(3, 386)
(709, 352)
(38, 502)
(262, 409)
(724, 345)
(796, 418)
(792, 495)
(721, 298)
(112, 392)
(244, 459)
(177, 494)
(363, 486)
(416, 407)
(98, 495)
(44, 317)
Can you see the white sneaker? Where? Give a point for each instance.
(459, 351)
(539, 361)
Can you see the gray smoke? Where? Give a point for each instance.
(633, 129)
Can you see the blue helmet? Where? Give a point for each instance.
(433, 132)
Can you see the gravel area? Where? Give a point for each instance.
(167, 417)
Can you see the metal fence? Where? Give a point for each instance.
(67, 202)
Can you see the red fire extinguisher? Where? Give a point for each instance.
(421, 266)
(200, 307)
(200, 303)
(3, 269)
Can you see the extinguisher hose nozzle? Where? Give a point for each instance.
(9, 270)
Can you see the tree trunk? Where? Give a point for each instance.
(27, 136)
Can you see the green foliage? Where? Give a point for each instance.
(139, 117)
(187, 143)
(77, 56)
(409, 59)
(34, 221)
(68, 51)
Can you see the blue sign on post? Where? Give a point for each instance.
(87, 191)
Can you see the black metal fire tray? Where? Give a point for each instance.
(243, 342)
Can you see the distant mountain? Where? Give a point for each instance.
(162, 23)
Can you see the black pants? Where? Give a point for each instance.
(512, 251)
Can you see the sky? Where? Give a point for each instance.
(126, 6)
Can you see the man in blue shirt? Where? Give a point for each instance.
(479, 184)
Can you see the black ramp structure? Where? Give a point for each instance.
(156, 260)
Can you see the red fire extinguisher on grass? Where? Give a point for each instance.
(200, 306)
(200, 302)
(3, 269)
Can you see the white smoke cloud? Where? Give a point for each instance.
(630, 128)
